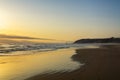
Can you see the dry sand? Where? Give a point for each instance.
(100, 64)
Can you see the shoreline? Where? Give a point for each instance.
(99, 64)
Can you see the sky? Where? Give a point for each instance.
(67, 20)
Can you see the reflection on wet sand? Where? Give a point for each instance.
(24, 66)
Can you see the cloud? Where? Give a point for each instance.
(21, 37)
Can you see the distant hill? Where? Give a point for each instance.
(102, 40)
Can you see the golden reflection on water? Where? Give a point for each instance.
(24, 66)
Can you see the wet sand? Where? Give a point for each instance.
(99, 64)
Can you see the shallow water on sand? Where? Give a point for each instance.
(20, 67)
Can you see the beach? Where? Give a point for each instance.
(99, 64)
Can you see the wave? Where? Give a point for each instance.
(8, 48)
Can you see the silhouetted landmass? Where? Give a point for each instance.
(104, 40)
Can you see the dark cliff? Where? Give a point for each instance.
(102, 40)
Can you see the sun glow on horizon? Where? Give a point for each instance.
(2, 22)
